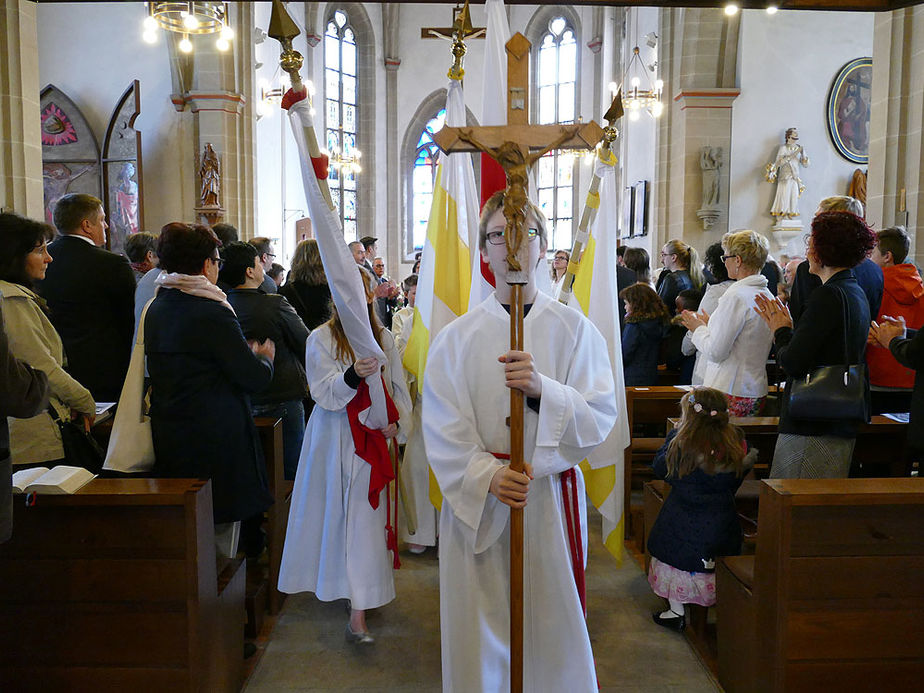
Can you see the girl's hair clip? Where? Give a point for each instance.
(698, 408)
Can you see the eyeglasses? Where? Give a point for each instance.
(497, 237)
(728, 257)
(561, 257)
(807, 238)
(217, 261)
(269, 255)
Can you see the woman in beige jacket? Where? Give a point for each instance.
(23, 258)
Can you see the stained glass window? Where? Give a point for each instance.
(424, 178)
(556, 77)
(340, 113)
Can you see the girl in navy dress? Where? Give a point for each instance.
(704, 460)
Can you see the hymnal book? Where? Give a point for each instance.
(103, 411)
(61, 480)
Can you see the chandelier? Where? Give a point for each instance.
(189, 18)
(344, 162)
(634, 96)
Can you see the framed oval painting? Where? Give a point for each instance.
(848, 110)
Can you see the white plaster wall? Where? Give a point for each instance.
(787, 63)
(92, 52)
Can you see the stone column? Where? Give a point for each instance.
(394, 248)
(698, 54)
(895, 188)
(20, 132)
(220, 101)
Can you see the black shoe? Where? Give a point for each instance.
(675, 623)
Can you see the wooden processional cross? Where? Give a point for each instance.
(516, 147)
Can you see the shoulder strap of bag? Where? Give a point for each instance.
(139, 338)
(846, 306)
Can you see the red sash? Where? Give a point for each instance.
(572, 512)
(372, 447)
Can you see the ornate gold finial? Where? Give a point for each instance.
(460, 29)
(613, 113)
(283, 29)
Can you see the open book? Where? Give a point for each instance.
(59, 481)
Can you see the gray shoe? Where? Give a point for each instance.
(364, 638)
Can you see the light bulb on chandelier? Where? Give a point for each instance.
(186, 45)
(187, 19)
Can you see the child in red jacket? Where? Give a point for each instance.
(903, 295)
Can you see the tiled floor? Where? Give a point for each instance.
(307, 651)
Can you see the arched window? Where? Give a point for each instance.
(340, 112)
(556, 100)
(424, 178)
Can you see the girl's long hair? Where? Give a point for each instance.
(705, 439)
(306, 264)
(645, 302)
(343, 352)
(689, 258)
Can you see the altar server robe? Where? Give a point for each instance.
(335, 541)
(466, 405)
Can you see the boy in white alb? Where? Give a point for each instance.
(566, 377)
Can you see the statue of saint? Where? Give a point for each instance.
(211, 178)
(710, 161)
(784, 170)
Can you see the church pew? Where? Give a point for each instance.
(833, 598)
(116, 587)
(277, 517)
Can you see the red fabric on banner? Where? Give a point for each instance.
(291, 97)
(321, 166)
(371, 444)
(493, 177)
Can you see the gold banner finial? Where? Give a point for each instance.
(461, 28)
(284, 29)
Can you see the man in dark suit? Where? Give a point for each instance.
(264, 247)
(91, 297)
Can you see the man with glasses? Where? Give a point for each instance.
(264, 247)
(571, 406)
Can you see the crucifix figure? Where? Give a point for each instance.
(516, 147)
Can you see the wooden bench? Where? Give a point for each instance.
(116, 588)
(833, 598)
(277, 516)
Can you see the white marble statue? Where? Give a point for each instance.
(784, 170)
(710, 161)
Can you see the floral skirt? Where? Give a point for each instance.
(744, 406)
(680, 585)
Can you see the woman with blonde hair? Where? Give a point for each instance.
(335, 544)
(559, 268)
(682, 271)
(734, 341)
(306, 287)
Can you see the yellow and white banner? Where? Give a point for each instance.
(444, 282)
(594, 293)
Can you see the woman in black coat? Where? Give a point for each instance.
(306, 288)
(822, 448)
(202, 373)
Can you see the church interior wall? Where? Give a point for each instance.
(787, 63)
(92, 52)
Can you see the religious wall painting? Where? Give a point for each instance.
(848, 110)
(70, 153)
(640, 211)
(121, 161)
(627, 221)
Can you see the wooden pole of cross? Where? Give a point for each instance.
(516, 147)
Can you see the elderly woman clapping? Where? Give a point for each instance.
(822, 447)
(735, 342)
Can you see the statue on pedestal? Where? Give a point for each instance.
(710, 161)
(784, 171)
(210, 186)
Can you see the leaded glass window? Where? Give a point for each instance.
(424, 178)
(556, 76)
(340, 113)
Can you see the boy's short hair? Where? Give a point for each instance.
(275, 270)
(894, 240)
(408, 283)
(72, 209)
(262, 244)
(689, 299)
(496, 202)
(237, 257)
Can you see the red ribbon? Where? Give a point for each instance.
(321, 166)
(372, 447)
(575, 540)
(573, 523)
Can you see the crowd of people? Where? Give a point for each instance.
(229, 336)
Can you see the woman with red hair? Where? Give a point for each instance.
(822, 447)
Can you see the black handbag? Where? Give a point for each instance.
(831, 393)
(80, 449)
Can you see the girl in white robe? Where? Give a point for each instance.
(335, 541)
